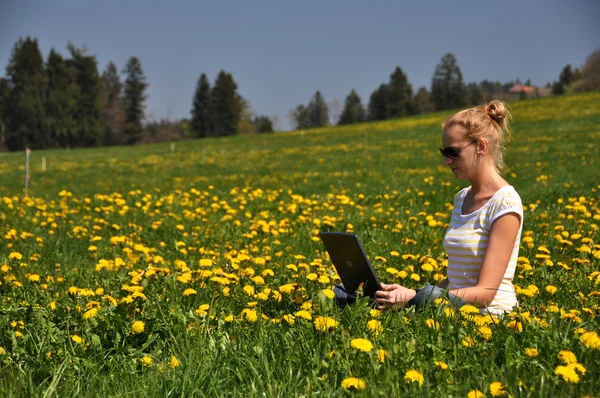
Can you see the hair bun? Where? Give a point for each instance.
(497, 112)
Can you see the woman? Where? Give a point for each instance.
(484, 235)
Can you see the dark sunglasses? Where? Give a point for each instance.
(453, 153)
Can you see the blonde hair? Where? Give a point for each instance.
(489, 122)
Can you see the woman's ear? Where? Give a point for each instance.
(482, 147)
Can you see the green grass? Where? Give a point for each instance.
(253, 205)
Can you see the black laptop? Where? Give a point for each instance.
(350, 262)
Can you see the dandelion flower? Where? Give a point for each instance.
(497, 389)
(568, 373)
(432, 323)
(146, 360)
(189, 292)
(15, 256)
(325, 323)
(174, 362)
(413, 376)
(92, 312)
(137, 327)
(382, 355)
(250, 315)
(203, 309)
(353, 383)
(77, 339)
(475, 394)
(531, 352)
(590, 340)
(374, 326)
(363, 345)
(304, 314)
(567, 357)
(441, 365)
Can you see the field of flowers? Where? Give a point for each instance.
(197, 270)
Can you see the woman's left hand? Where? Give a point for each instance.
(393, 296)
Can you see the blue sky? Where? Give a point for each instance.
(281, 52)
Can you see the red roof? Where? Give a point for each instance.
(518, 88)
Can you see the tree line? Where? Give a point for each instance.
(64, 101)
(395, 98)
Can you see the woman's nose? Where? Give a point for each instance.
(447, 161)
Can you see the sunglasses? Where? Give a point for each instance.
(453, 153)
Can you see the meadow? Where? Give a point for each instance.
(196, 270)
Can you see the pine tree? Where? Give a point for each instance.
(447, 88)
(87, 106)
(399, 95)
(318, 113)
(112, 114)
(353, 110)
(226, 105)
(262, 124)
(590, 73)
(422, 101)
(378, 103)
(60, 102)
(3, 94)
(299, 117)
(133, 99)
(24, 105)
(202, 109)
(474, 94)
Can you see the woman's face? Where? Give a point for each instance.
(461, 154)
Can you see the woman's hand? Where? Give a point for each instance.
(393, 296)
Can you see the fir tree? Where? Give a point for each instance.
(318, 113)
(60, 102)
(202, 109)
(133, 99)
(447, 87)
(226, 105)
(399, 95)
(112, 115)
(378, 103)
(353, 110)
(422, 101)
(24, 105)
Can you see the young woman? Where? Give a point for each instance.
(484, 235)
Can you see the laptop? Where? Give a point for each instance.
(351, 263)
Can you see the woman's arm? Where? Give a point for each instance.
(501, 241)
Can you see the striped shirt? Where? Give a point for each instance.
(467, 239)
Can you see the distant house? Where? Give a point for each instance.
(530, 91)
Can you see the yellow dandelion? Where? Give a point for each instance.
(590, 340)
(146, 360)
(137, 327)
(374, 326)
(382, 354)
(432, 323)
(203, 309)
(328, 293)
(413, 376)
(475, 394)
(353, 383)
(77, 339)
(250, 315)
(189, 292)
(304, 314)
(497, 389)
(567, 357)
(485, 332)
(568, 373)
(15, 256)
(363, 345)
(174, 362)
(468, 341)
(325, 323)
(531, 352)
(441, 365)
(90, 313)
